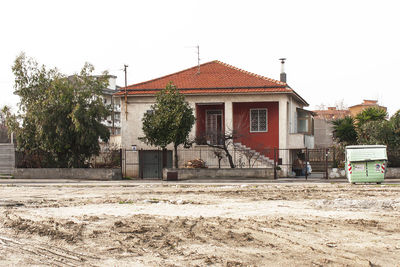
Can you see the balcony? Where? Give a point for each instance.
(301, 140)
(109, 123)
(304, 134)
(117, 108)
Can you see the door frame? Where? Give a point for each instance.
(221, 115)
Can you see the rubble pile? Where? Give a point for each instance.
(195, 164)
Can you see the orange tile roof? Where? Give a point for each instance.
(331, 113)
(215, 77)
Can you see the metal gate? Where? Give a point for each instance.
(151, 161)
(317, 159)
(144, 163)
(7, 159)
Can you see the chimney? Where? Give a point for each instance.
(283, 74)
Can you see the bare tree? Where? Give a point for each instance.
(223, 141)
(320, 106)
(340, 105)
(219, 154)
(219, 141)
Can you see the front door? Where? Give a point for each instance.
(214, 126)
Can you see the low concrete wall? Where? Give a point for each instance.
(341, 173)
(393, 173)
(68, 173)
(336, 173)
(267, 173)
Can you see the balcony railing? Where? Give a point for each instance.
(117, 108)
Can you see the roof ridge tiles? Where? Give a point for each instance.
(250, 73)
(132, 86)
(165, 76)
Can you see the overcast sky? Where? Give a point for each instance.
(336, 50)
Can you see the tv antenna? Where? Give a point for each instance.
(198, 59)
(198, 56)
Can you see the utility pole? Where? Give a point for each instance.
(126, 94)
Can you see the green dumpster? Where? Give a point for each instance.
(366, 163)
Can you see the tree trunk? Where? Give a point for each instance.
(230, 160)
(229, 156)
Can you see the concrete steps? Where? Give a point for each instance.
(255, 154)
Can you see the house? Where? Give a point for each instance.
(323, 136)
(323, 127)
(268, 113)
(354, 110)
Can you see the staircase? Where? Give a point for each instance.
(261, 160)
(7, 160)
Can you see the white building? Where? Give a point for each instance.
(268, 112)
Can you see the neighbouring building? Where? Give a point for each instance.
(268, 113)
(354, 110)
(323, 136)
(113, 122)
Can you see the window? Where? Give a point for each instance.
(258, 120)
(305, 122)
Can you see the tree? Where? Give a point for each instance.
(374, 133)
(344, 130)
(381, 131)
(223, 140)
(372, 126)
(223, 143)
(394, 124)
(169, 120)
(370, 114)
(59, 116)
(4, 136)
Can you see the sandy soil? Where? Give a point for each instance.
(200, 225)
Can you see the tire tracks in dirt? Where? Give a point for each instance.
(46, 254)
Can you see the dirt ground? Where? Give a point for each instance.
(158, 224)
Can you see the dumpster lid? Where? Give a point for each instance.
(366, 152)
(365, 146)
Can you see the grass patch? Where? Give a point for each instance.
(6, 176)
(126, 202)
(154, 200)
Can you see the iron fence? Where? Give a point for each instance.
(393, 157)
(217, 158)
(301, 162)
